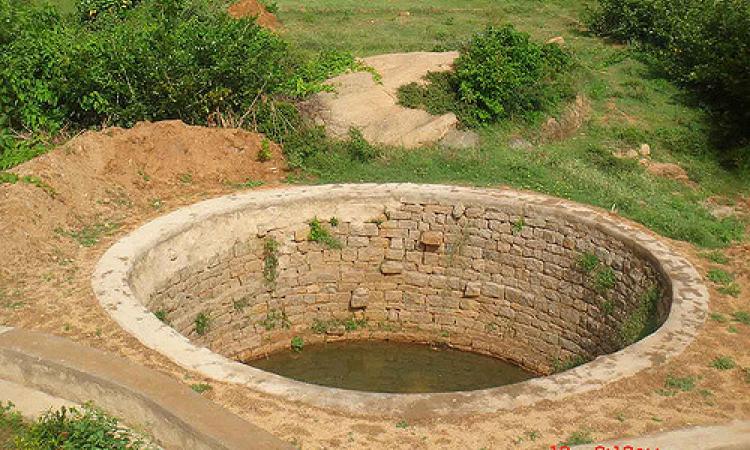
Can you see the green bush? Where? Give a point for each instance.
(159, 59)
(500, 74)
(73, 428)
(701, 44)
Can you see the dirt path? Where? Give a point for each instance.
(107, 184)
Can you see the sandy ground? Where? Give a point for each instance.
(111, 182)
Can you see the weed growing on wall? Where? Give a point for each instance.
(270, 260)
(276, 319)
(202, 323)
(643, 321)
(320, 234)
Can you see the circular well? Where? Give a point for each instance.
(498, 272)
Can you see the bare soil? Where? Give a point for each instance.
(129, 177)
(253, 8)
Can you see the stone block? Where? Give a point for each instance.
(360, 298)
(431, 238)
(473, 289)
(391, 267)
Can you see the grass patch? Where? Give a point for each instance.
(742, 317)
(578, 438)
(684, 384)
(12, 178)
(732, 289)
(716, 317)
(90, 235)
(723, 363)
(720, 276)
(715, 256)
(247, 184)
(200, 387)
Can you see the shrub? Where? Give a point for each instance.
(160, 59)
(73, 428)
(701, 44)
(298, 343)
(500, 73)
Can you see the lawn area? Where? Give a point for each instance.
(630, 106)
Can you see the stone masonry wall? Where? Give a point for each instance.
(504, 281)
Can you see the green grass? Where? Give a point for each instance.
(629, 107)
(742, 317)
(723, 363)
(200, 387)
(720, 276)
(578, 438)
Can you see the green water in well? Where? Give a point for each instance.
(392, 367)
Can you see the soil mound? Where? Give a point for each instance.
(92, 183)
(253, 8)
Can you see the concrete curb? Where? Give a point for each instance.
(732, 436)
(175, 416)
(217, 222)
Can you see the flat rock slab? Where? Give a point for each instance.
(361, 102)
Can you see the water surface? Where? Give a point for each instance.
(393, 367)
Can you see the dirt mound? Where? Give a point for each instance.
(253, 8)
(93, 181)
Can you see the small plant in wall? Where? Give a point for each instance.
(561, 365)
(602, 277)
(298, 343)
(321, 235)
(270, 260)
(588, 262)
(161, 315)
(275, 319)
(605, 279)
(202, 323)
(518, 225)
(201, 387)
